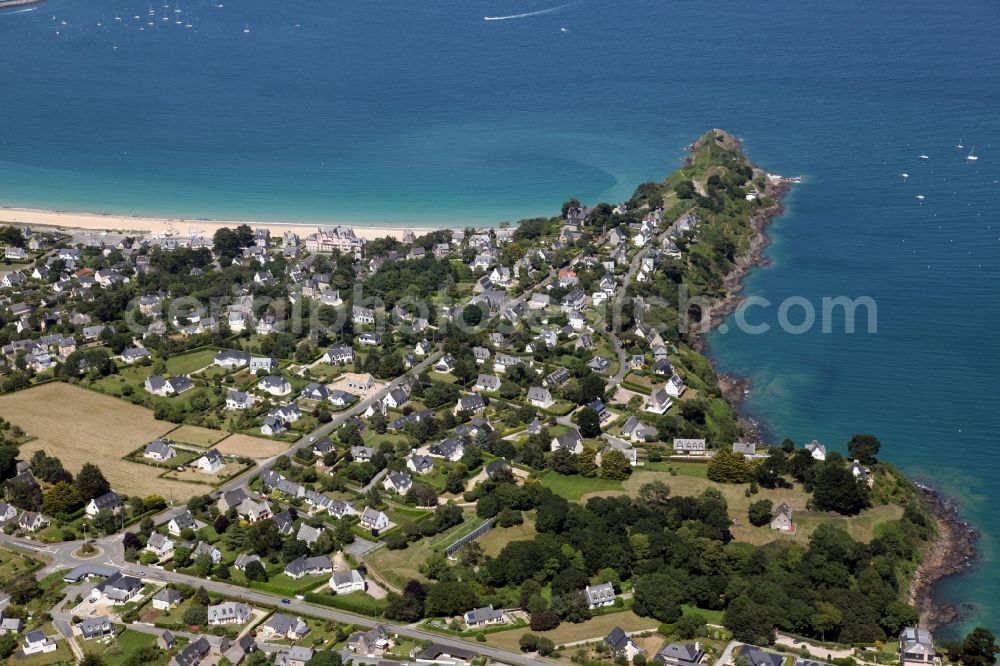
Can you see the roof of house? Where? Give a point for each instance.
(617, 639)
(683, 652)
(484, 614)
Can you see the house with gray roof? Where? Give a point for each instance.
(308, 533)
(308, 566)
(450, 448)
(297, 655)
(481, 617)
(473, 404)
(916, 647)
(571, 441)
(755, 656)
(419, 464)
(620, 644)
(286, 626)
(192, 654)
(600, 595)
(159, 449)
(397, 482)
(679, 654)
(689, 447)
(118, 589)
(345, 582)
(166, 599)
(242, 560)
(228, 612)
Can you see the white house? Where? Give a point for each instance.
(210, 463)
(345, 582)
(275, 385)
(659, 401)
(540, 397)
(600, 595)
(159, 449)
(229, 612)
(817, 450)
(374, 520)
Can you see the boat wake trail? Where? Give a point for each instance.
(527, 14)
(19, 11)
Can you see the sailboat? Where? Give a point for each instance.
(923, 157)
(972, 157)
(152, 12)
(246, 29)
(959, 144)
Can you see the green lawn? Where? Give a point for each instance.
(575, 487)
(493, 541)
(62, 655)
(122, 647)
(283, 584)
(187, 363)
(399, 566)
(12, 562)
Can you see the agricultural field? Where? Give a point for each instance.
(81, 426)
(252, 447)
(493, 541)
(196, 436)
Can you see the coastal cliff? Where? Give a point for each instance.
(952, 549)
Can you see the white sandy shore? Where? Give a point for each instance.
(179, 226)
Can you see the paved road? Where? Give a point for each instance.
(324, 612)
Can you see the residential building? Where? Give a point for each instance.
(679, 654)
(916, 647)
(345, 582)
(689, 447)
(481, 617)
(620, 644)
(159, 449)
(600, 595)
(228, 612)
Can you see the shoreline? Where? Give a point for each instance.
(952, 553)
(183, 226)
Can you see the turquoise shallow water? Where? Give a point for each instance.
(409, 113)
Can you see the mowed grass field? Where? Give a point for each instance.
(690, 480)
(593, 629)
(81, 426)
(493, 541)
(196, 436)
(252, 447)
(399, 566)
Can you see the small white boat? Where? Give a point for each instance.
(919, 196)
(972, 157)
(246, 29)
(152, 12)
(905, 175)
(923, 157)
(959, 144)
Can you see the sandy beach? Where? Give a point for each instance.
(180, 226)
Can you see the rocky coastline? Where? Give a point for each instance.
(951, 553)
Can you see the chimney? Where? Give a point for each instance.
(697, 646)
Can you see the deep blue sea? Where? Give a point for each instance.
(422, 112)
